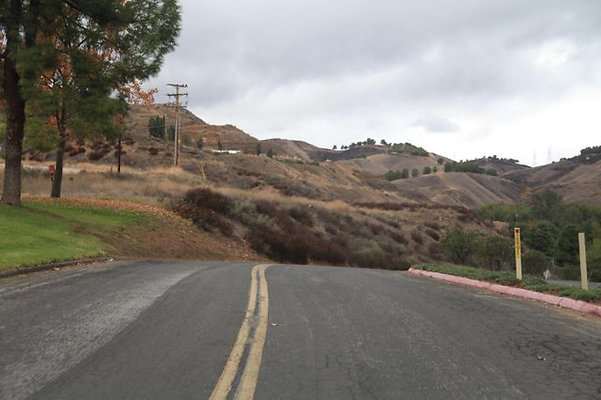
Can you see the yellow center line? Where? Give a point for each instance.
(224, 385)
(250, 376)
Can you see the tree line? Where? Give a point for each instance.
(550, 230)
(406, 148)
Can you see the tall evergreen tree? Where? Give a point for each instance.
(89, 48)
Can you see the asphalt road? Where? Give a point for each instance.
(185, 330)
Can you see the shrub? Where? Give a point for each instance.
(417, 237)
(96, 155)
(207, 209)
(535, 262)
(468, 166)
(459, 246)
(567, 245)
(368, 255)
(542, 237)
(301, 215)
(206, 198)
(393, 174)
(399, 238)
(156, 127)
(433, 234)
(494, 251)
(433, 225)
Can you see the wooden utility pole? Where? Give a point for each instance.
(177, 95)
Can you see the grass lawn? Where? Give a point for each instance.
(42, 232)
(508, 278)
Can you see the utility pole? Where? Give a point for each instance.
(177, 95)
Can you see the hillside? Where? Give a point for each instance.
(577, 179)
(460, 189)
(353, 174)
(290, 148)
(320, 205)
(192, 128)
(501, 165)
(379, 164)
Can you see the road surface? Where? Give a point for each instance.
(188, 330)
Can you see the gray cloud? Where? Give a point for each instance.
(301, 58)
(436, 124)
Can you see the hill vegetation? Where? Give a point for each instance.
(371, 235)
(550, 228)
(44, 231)
(290, 201)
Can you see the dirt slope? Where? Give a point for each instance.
(577, 179)
(379, 164)
(353, 175)
(192, 128)
(459, 189)
(322, 181)
(290, 148)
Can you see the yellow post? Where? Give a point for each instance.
(518, 254)
(583, 271)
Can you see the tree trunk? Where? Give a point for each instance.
(61, 123)
(119, 155)
(15, 111)
(60, 157)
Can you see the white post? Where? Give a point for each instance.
(583, 271)
(518, 253)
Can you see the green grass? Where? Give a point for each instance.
(508, 278)
(45, 232)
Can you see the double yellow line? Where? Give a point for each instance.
(250, 375)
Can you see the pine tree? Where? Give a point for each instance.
(87, 49)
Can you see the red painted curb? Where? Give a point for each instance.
(565, 302)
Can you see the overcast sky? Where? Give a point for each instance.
(462, 78)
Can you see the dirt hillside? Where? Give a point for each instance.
(301, 169)
(379, 164)
(460, 189)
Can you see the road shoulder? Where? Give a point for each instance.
(564, 302)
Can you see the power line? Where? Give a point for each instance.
(177, 96)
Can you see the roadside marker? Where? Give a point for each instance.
(583, 270)
(518, 253)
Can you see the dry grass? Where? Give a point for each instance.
(155, 185)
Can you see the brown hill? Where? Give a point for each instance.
(459, 189)
(290, 148)
(295, 178)
(379, 164)
(577, 179)
(501, 165)
(192, 128)
(353, 175)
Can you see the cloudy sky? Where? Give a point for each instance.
(462, 78)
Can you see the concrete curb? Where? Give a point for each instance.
(46, 267)
(564, 302)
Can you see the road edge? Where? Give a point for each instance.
(564, 302)
(45, 267)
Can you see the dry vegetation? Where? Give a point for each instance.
(266, 220)
(293, 207)
(296, 230)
